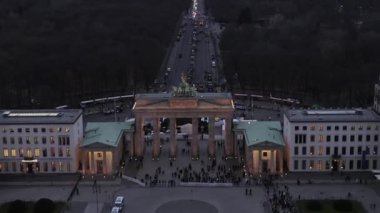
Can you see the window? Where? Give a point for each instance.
(376, 138)
(352, 128)
(367, 138)
(344, 128)
(67, 130)
(68, 167)
(59, 129)
(45, 165)
(335, 150)
(312, 128)
(359, 150)
(304, 150)
(311, 164)
(368, 127)
(352, 150)
(4, 130)
(19, 140)
(351, 165)
(13, 166)
(360, 138)
(328, 128)
(320, 128)
(312, 138)
(336, 138)
(12, 140)
(374, 164)
(29, 153)
(52, 140)
(68, 153)
(320, 138)
(43, 140)
(67, 140)
(296, 128)
(37, 152)
(336, 128)
(352, 138)
(6, 154)
(360, 127)
(296, 150)
(4, 140)
(19, 130)
(320, 165)
(52, 152)
(344, 138)
(327, 165)
(312, 150)
(13, 152)
(343, 150)
(327, 150)
(304, 128)
(43, 129)
(60, 152)
(21, 152)
(35, 139)
(35, 130)
(51, 129)
(53, 167)
(61, 165)
(303, 164)
(27, 130)
(320, 150)
(27, 140)
(375, 150)
(358, 164)
(44, 152)
(328, 138)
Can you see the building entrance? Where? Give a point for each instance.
(30, 167)
(99, 166)
(335, 165)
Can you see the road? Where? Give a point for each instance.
(193, 54)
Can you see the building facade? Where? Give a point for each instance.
(104, 147)
(332, 140)
(40, 141)
(183, 103)
(261, 145)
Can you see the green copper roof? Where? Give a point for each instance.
(105, 133)
(257, 132)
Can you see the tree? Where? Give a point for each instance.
(44, 205)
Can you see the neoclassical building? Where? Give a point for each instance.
(104, 146)
(183, 102)
(261, 145)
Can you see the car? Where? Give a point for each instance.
(115, 209)
(119, 202)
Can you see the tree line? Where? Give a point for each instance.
(323, 52)
(61, 52)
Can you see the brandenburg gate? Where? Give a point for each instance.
(183, 102)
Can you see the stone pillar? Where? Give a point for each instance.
(281, 160)
(173, 140)
(92, 163)
(211, 136)
(139, 137)
(260, 162)
(194, 142)
(84, 156)
(104, 163)
(156, 137)
(249, 159)
(227, 137)
(272, 162)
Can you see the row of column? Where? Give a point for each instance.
(276, 156)
(88, 158)
(139, 142)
